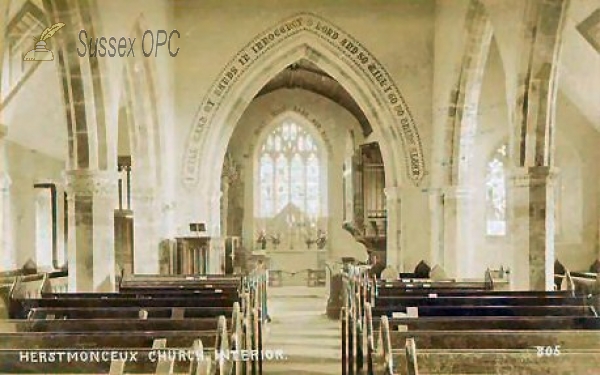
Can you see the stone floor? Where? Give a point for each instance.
(310, 342)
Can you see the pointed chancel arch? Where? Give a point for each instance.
(303, 36)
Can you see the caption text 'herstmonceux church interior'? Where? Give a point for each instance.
(343, 187)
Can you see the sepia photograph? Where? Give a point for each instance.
(304, 187)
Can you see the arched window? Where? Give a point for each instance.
(496, 224)
(289, 172)
(495, 192)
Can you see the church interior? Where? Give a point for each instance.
(354, 187)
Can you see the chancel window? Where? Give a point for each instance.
(289, 172)
(496, 192)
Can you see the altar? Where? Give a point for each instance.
(292, 261)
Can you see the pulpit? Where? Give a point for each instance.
(195, 255)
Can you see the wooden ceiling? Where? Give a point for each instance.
(304, 75)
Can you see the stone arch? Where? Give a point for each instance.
(140, 101)
(82, 87)
(532, 140)
(303, 36)
(454, 249)
(464, 98)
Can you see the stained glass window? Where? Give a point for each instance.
(496, 192)
(289, 172)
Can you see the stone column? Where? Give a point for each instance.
(146, 231)
(394, 228)
(436, 210)
(7, 252)
(92, 199)
(531, 200)
(457, 253)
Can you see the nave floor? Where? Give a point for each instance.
(310, 341)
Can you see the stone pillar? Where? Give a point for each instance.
(457, 254)
(394, 250)
(436, 210)
(146, 231)
(7, 252)
(92, 199)
(531, 200)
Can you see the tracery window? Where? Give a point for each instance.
(495, 185)
(289, 172)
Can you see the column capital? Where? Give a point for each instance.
(90, 182)
(531, 176)
(456, 191)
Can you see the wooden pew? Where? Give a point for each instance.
(452, 324)
(117, 325)
(493, 323)
(128, 312)
(459, 311)
(225, 292)
(156, 319)
(383, 290)
(166, 305)
(456, 304)
(19, 308)
(481, 300)
(39, 353)
(90, 333)
(170, 282)
(490, 352)
(497, 339)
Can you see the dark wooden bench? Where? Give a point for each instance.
(20, 308)
(479, 300)
(461, 311)
(175, 308)
(455, 305)
(39, 352)
(118, 325)
(128, 312)
(471, 352)
(225, 292)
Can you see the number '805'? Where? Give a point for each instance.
(548, 351)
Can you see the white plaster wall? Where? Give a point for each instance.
(26, 168)
(579, 252)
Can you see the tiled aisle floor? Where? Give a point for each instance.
(309, 340)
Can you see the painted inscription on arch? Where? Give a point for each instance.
(351, 49)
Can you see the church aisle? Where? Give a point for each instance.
(309, 340)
